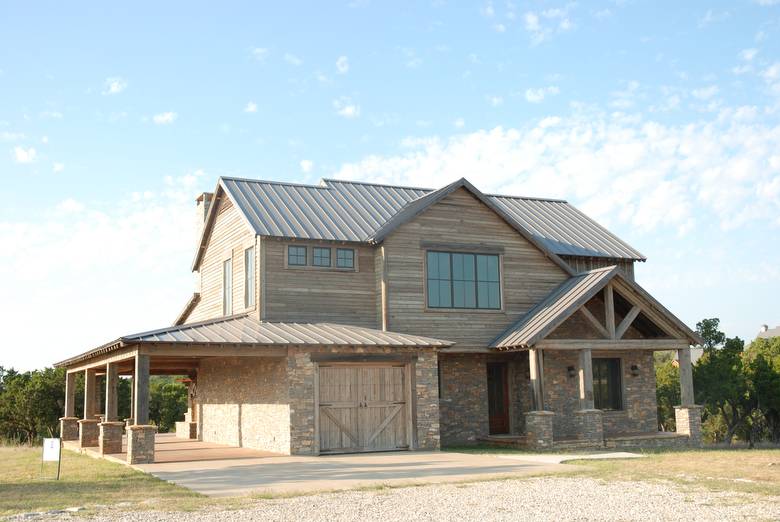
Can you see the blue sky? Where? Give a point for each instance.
(660, 119)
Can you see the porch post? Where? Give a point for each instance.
(538, 423)
(590, 421)
(140, 436)
(69, 429)
(129, 421)
(688, 414)
(88, 426)
(110, 440)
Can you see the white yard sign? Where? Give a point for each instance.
(51, 450)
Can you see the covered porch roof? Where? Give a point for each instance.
(571, 297)
(225, 336)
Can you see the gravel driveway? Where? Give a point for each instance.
(548, 498)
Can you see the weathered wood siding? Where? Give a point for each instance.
(309, 294)
(583, 264)
(230, 236)
(527, 275)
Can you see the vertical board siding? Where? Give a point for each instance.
(229, 237)
(584, 264)
(308, 294)
(527, 275)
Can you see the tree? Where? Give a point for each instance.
(762, 358)
(31, 404)
(708, 330)
(168, 402)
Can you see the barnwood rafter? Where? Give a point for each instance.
(626, 322)
(595, 322)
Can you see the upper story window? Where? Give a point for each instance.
(296, 255)
(461, 280)
(607, 387)
(321, 256)
(249, 277)
(345, 258)
(227, 287)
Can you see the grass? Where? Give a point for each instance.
(742, 470)
(84, 482)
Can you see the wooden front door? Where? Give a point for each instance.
(498, 398)
(362, 408)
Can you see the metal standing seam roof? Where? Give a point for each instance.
(356, 212)
(554, 309)
(244, 329)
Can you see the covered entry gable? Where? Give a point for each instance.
(598, 305)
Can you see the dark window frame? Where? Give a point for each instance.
(475, 295)
(608, 383)
(291, 256)
(351, 258)
(318, 250)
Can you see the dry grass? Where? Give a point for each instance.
(84, 482)
(750, 471)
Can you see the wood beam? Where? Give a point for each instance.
(595, 322)
(686, 376)
(89, 393)
(534, 363)
(111, 402)
(100, 361)
(70, 395)
(214, 350)
(626, 322)
(609, 310)
(606, 344)
(586, 379)
(141, 390)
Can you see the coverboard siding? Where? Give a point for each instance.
(229, 237)
(310, 294)
(527, 275)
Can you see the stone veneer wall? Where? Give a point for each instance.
(300, 377)
(244, 402)
(639, 413)
(464, 400)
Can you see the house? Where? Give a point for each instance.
(350, 317)
(767, 333)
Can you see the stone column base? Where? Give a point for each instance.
(688, 420)
(591, 426)
(110, 440)
(539, 429)
(187, 430)
(69, 428)
(140, 444)
(88, 433)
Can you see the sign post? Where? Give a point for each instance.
(52, 452)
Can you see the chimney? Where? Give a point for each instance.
(764, 328)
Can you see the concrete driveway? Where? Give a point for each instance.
(287, 474)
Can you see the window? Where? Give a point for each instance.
(345, 258)
(607, 393)
(457, 280)
(227, 287)
(296, 255)
(249, 277)
(321, 256)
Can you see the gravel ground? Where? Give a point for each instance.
(547, 498)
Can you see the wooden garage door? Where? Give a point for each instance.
(362, 408)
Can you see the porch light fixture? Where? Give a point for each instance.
(571, 371)
(635, 370)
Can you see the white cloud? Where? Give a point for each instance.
(643, 175)
(494, 100)
(537, 95)
(346, 108)
(45, 140)
(459, 123)
(500, 28)
(22, 155)
(51, 115)
(748, 54)
(250, 107)
(114, 85)
(705, 93)
(711, 17)
(542, 26)
(306, 166)
(156, 225)
(292, 59)
(342, 65)
(165, 118)
(58, 167)
(11, 136)
(259, 53)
